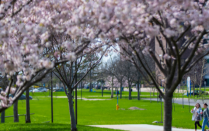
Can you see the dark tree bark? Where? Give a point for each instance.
(167, 113)
(3, 117)
(120, 89)
(112, 89)
(27, 120)
(138, 96)
(15, 110)
(129, 96)
(72, 115)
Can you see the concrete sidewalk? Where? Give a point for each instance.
(139, 127)
(184, 101)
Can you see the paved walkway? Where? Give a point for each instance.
(82, 98)
(147, 89)
(185, 101)
(139, 127)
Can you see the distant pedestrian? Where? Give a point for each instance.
(197, 117)
(205, 117)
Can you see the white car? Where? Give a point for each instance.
(42, 89)
(36, 90)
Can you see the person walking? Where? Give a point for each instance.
(205, 117)
(197, 117)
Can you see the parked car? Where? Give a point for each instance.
(35, 90)
(86, 87)
(104, 88)
(30, 90)
(42, 89)
(60, 90)
(55, 88)
(22, 97)
(98, 87)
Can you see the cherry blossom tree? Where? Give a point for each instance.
(28, 30)
(177, 27)
(67, 72)
(112, 82)
(111, 74)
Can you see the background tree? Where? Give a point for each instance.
(197, 74)
(137, 26)
(29, 46)
(67, 72)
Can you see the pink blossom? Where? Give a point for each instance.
(4, 104)
(3, 93)
(169, 33)
(56, 54)
(48, 44)
(167, 57)
(12, 90)
(206, 46)
(3, 98)
(173, 22)
(152, 31)
(48, 64)
(71, 56)
(202, 1)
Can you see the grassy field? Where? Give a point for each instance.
(48, 127)
(92, 113)
(107, 93)
(97, 94)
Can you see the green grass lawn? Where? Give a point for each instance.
(92, 112)
(107, 93)
(48, 127)
(97, 94)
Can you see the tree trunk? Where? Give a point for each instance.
(90, 77)
(120, 89)
(167, 113)
(15, 110)
(112, 89)
(72, 115)
(112, 93)
(3, 117)
(129, 92)
(138, 97)
(27, 119)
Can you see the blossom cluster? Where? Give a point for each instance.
(140, 19)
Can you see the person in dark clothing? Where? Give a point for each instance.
(205, 117)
